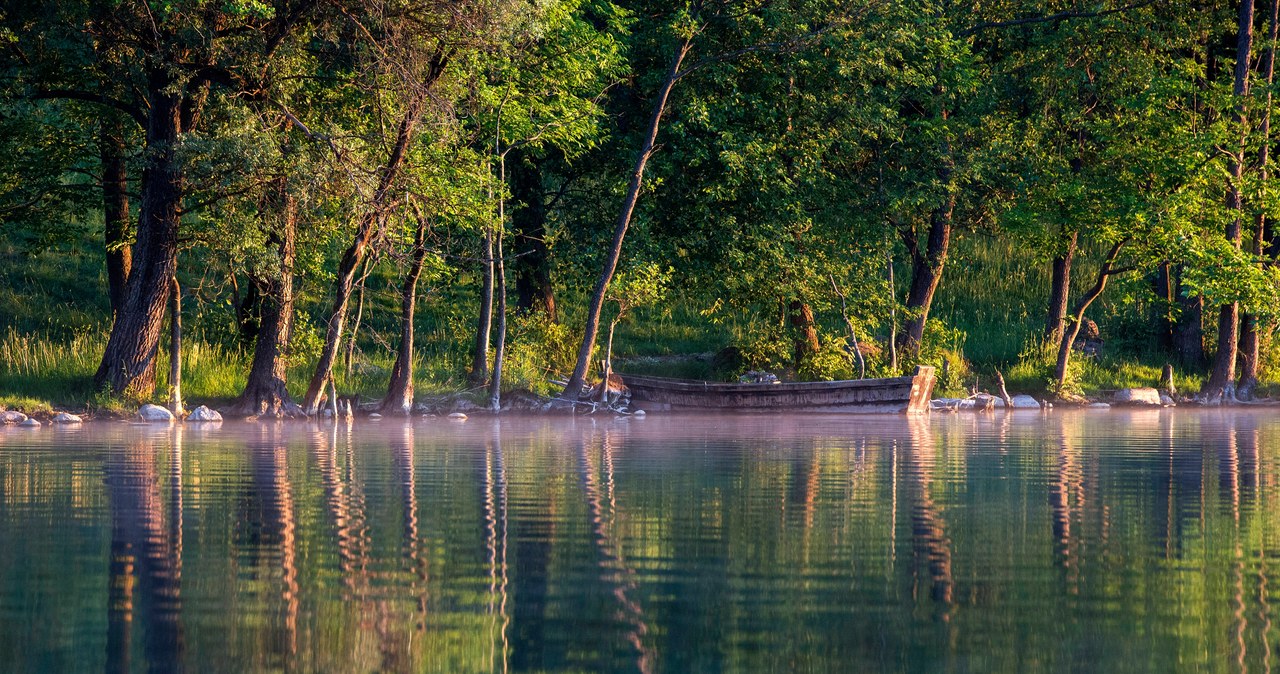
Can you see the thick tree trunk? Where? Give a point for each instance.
(1060, 288)
(529, 220)
(1222, 376)
(1250, 342)
(573, 387)
(115, 209)
(265, 394)
(804, 331)
(926, 272)
(480, 351)
(1069, 337)
(399, 398)
(1188, 331)
(128, 364)
(353, 257)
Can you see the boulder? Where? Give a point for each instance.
(457, 416)
(155, 413)
(204, 414)
(1098, 406)
(638, 413)
(12, 417)
(1137, 397)
(66, 418)
(29, 423)
(374, 416)
(1167, 401)
(1023, 401)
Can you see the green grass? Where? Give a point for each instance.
(54, 319)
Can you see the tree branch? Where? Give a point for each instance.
(134, 113)
(1060, 16)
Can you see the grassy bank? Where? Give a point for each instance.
(54, 319)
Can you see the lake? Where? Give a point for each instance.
(1143, 541)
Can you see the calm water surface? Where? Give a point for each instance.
(1077, 541)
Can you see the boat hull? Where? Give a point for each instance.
(894, 395)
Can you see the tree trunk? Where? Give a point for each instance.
(1069, 337)
(175, 350)
(265, 394)
(926, 271)
(1250, 342)
(1222, 376)
(480, 352)
(354, 255)
(128, 366)
(500, 345)
(115, 209)
(804, 331)
(1188, 332)
(529, 221)
(348, 354)
(1060, 288)
(1164, 288)
(574, 386)
(399, 398)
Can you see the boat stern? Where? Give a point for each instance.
(921, 389)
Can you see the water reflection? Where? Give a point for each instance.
(1118, 542)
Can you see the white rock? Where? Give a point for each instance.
(66, 418)
(374, 416)
(155, 413)
(638, 413)
(1167, 401)
(458, 416)
(204, 414)
(30, 423)
(1137, 396)
(12, 417)
(1023, 401)
(1099, 406)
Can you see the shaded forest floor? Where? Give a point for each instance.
(54, 318)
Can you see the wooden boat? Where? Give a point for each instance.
(867, 396)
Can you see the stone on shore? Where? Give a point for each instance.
(1023, 401)
(374, 416)
(1138, 397)
(1099, 406)
(204, 414)
(458, 416)
(66, 418)
(155, 414)
(1167, 401)
(29, 423)
(12, 417)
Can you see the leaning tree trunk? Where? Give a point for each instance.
(480, 351)
(399, 398)
(115, 209)
(1105, 272)
(926, 272)
(265, 393)
(355, 254)
(1222, 376)
(1250, 341)
(1060, 288)
(128, 364)
(574, 386)
(529, 221)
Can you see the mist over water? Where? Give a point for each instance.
(1117, 541)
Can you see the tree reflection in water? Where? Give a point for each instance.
(1122, 541)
